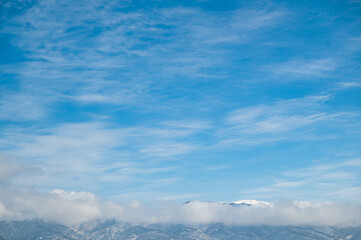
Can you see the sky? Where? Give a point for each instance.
(180, 100)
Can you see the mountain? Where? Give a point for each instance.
(36, 229)
(112, 229)
(249, 202)
(235, 203)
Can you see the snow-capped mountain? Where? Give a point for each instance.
(247, 202)
(236, 203)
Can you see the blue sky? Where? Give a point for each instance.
(167, 100)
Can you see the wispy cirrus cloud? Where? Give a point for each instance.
(97, 153)
(17, 107)
(346, 85)
(11, 168)
(338, 180)
(289, 120)
(306, 68)
(90, 53)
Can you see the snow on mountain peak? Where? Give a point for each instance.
(249, 202)
(240, 202)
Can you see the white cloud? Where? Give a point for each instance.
(93, 98)
(76, 207)
(69, 207)
(58, 205)
(19, 107)
(4, 212)
(252, 20)
(168, 149)
(338, 181)
(306, 68)
(174, 41)
(291, 120)
(95, 154)
(11, 168)
(346, 85)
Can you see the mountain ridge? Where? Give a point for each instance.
(37, 229)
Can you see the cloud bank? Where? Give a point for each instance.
(21, 202)
(76, 207)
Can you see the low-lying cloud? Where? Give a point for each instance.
(76, 207)
(23, 202)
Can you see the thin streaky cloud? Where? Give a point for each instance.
(306, 68)
(324, 181)
(280, 121)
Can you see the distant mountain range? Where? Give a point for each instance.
(37, 229)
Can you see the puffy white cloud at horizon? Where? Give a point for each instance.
(22, 202)
(77, 207)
